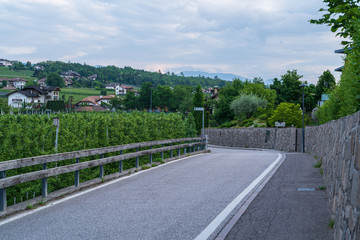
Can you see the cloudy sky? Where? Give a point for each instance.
(250, 38)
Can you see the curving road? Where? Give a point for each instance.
(181, 200)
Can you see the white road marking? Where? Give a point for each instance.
(50, 204)
(205, 234)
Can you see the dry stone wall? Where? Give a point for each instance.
(283, 139)
(337, 145)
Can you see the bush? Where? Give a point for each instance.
(247, 105)
(289, 113)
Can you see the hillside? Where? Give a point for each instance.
(5, 72)
(126, 75)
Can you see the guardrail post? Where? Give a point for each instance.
(2, 194)
(162, 153)
(101, 174)
(171, 152)
(185, 149)
(44, 184)
(137, 159)
(150, 161)
(179, 150)
(77, 174)
(121, 163)
(206, 142)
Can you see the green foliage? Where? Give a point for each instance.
(227, 94)
(198, 101)
(183, 97)
(116, 103)
(24, 136)
(55, 105)
(126, 75)
(340, 15)
(247, 105)
(54, 79)
(325, 84)
(288, 88)
(190, 129)
(317, 164)
(345, 98)
(289, 113)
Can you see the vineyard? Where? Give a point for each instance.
(34, 135)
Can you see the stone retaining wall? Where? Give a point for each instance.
(283, 139)
(337, 145)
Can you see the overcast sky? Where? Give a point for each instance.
(250, 38)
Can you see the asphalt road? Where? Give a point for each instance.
(174, 201)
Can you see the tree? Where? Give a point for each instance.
(289, 113)
(227, 94)
(54, 80)
(325, 84)
(183, 98)
(145, 95)
(116, 102)
(247, 105)
(342, 16)
(163, 97)
(198, 101)
(288, 90)
(130, 100)
(4, 83)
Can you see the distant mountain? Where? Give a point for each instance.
(223, 76)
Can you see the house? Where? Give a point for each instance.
(70, 74)
(33, 94)
(39, 67)
(18, 83)
(6, 63)
(42, 82)
(92, 77)
(111, 85)
(122, 90)
(95, 100)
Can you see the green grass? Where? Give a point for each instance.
(317, 164)
(331, 223)
(25, 74)
(322, 188)
(79, 94)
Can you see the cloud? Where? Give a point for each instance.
(17, 50)
(248, 37)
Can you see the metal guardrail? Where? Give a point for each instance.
(182, 143)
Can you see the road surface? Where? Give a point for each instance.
(191, 198)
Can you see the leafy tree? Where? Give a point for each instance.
(342, 16)
(145, 95)
(163, 97)
(54, 80)
(4, 83)
(198, 101)
(227, 94)
(247, 105)
(190, 129)
(290, 113)
(116, 103)
(130, 100)
(288, 88)
(183, 97)
(325, 84)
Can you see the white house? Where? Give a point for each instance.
(33, 94)
(18, 83)
(6, 63)
(122, 90)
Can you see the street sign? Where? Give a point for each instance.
(280, 124)
(198, 109)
